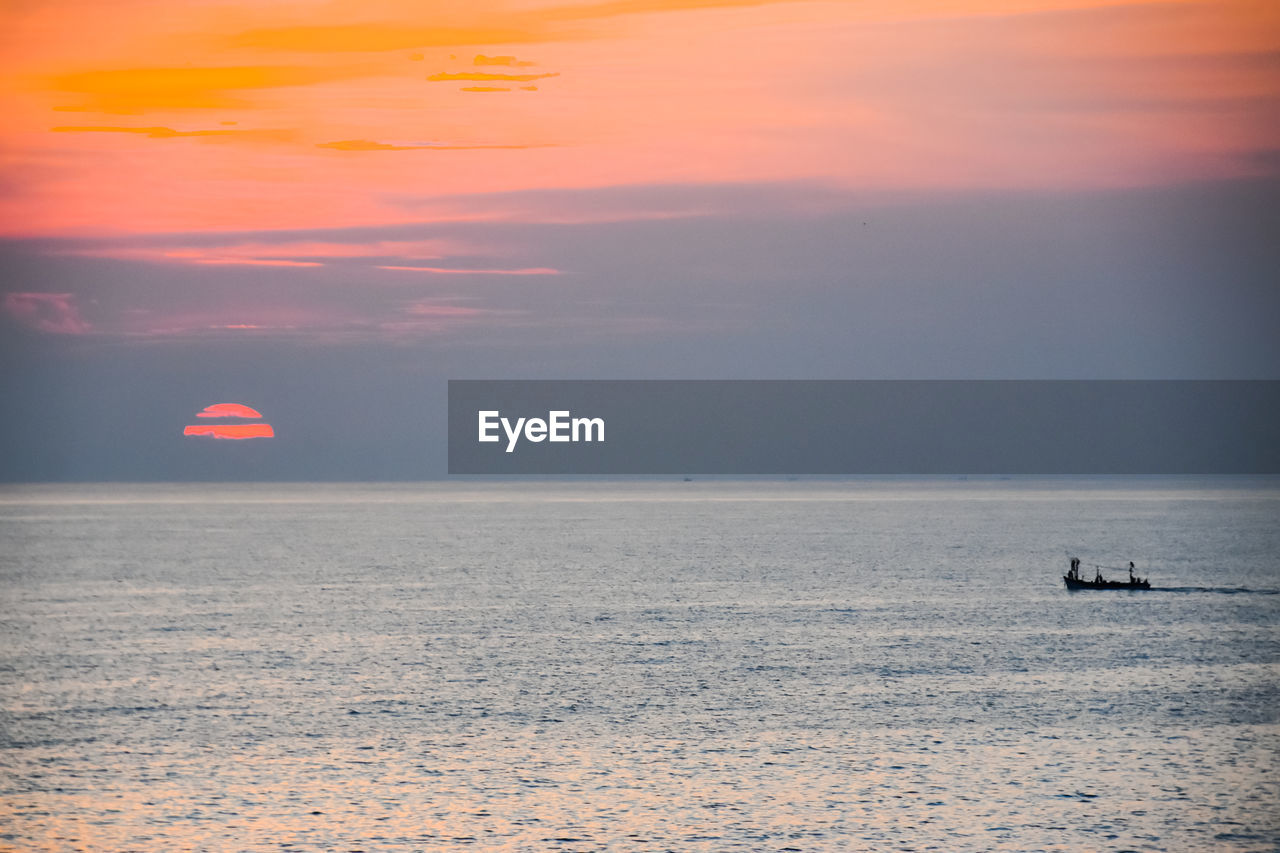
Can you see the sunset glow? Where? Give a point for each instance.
(229, 430)
(343, 142)
(307, 104)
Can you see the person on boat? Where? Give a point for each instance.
(1132, 579)
(1098, 577)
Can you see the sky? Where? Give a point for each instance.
(323, 211)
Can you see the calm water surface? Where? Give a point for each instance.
(639, 666)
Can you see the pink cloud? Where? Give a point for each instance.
(256, 262)
(425, 309)
(309, 253)
(55, 313)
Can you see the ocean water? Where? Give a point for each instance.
(883, 665)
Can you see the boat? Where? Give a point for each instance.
(1073, 580)
(1076, 583)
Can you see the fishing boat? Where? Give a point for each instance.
(1073, 580)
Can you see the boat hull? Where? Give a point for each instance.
(1072, 583)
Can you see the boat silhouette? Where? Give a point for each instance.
(1073, 580)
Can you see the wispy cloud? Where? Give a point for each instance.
(444, 76)
(170, 133)
(508, 61)
(254, 262)
(295, 253)
(55, 313)
(375, 320)
(435, 309)
(466, 271)
(370, 145)
(131, 91)
(373, 38)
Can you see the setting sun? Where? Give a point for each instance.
(229, 430)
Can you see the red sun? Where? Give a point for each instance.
(230, 430)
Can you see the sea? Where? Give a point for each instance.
(878, 665)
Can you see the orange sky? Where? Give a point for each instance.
(140, 116)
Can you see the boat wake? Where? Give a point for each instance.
(1222, 590)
